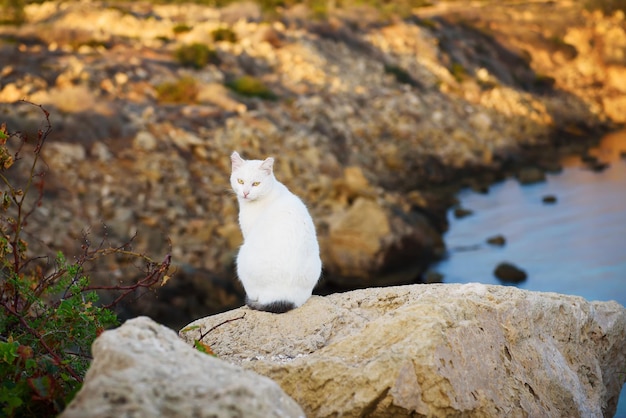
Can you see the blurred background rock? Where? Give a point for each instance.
(376, 113)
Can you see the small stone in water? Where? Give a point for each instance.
(462, 212)
(497, 240)
(598, 166)
(509, 273)
(549, 199)
(593, 163)
(589, 159)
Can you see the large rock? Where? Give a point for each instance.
(377, 243)
(142, 369)
(434, 350)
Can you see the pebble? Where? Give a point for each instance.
(462, 212)
(549, 199)
(498, 240)
(509, 273)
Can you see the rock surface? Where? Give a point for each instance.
(142, 369)
(434, 350)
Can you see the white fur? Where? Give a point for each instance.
(279, 259)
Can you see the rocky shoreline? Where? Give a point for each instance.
(373, 119)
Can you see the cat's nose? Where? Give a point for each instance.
(245, 194)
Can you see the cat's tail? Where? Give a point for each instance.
(279, 306)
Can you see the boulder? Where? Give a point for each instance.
(374, 242)
(143, 369)
(437, 350)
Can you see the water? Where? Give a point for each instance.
(575, 246)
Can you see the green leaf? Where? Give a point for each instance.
(203, 348)
(30, 364)
(10, 398)
(8, 351)
(190, 328)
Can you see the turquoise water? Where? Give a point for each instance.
(575, 246)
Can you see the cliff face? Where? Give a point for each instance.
(369, 115)
(422, 350)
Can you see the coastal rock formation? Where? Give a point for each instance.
(433, 350)
(375, 243)
(369, 114)
(143, 369)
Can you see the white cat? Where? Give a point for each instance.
(279, 262)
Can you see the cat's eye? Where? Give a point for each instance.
(240, 181)
(256, 183)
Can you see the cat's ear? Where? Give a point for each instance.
(267, 165)
(236, 159)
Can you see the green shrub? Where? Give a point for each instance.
(181, 28)
(224, 34)
(12, 12)
(251, 87)
(183, 90)
(458, 71)
(607, 6)
(426, 23)
(49, 311)
(46, 351)
(196, 55)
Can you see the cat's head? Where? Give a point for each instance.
(251, 179)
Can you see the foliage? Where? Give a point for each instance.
(12, 12)
(322, 8)
(426, 23)
(196, 55)
(224, 34)
(251, 87)
(458, 71)
(183, 90)
(607, 6)
(181, 28)
(49, 311)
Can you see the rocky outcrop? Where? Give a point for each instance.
(434, 350)
(375, 242)
(142, 369)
